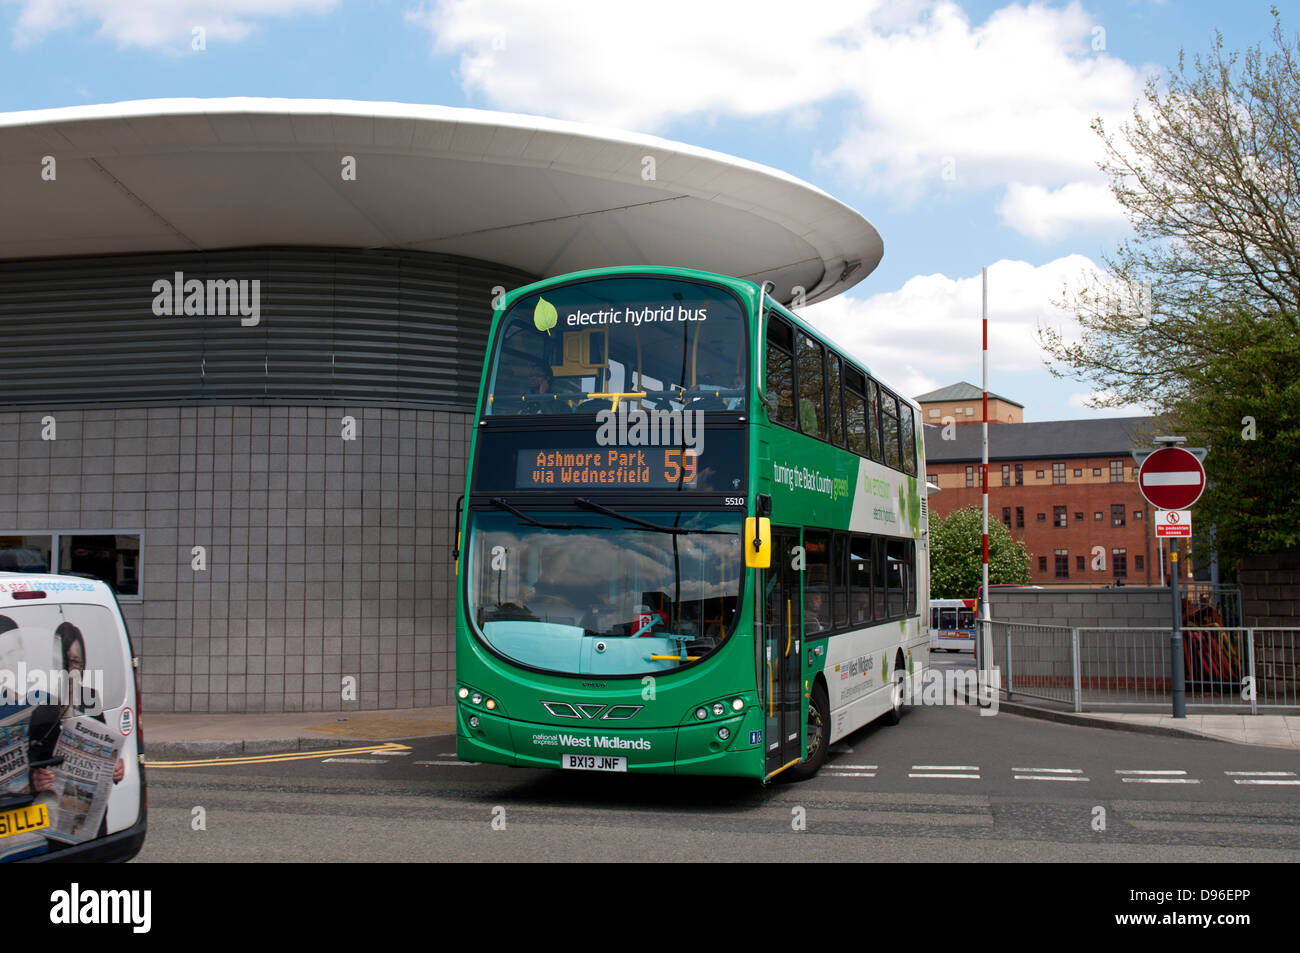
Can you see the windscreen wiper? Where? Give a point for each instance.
(497, 501)
(587, 504)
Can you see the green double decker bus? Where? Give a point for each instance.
(693, 538)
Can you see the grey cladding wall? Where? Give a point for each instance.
(341, 324)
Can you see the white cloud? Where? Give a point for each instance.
(165, 25)
(1048, 214)
(927, 334)
(642, 65)
(927, 91)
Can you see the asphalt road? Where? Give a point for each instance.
(946, 785)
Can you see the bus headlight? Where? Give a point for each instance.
(477, 699)
(462, 692)
(490, 704)
(719, 709)
(724, 733)
(737, 704)
(701, 713)
(473, 721)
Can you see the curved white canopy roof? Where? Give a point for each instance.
(541, 195)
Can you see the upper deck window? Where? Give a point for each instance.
(654, 343)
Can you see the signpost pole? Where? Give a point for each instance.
(1176, 640)
(984, 480)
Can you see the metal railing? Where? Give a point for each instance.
(1225, 667)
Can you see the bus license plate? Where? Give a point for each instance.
(33, 817)
(593, 762)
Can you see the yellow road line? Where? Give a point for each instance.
(271, 758)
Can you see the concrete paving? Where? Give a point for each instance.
(169, 736)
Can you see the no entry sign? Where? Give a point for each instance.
(1171, 479)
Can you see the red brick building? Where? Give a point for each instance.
(1068, 488)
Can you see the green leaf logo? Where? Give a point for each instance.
(544, 316)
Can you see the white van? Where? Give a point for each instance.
(71, 781)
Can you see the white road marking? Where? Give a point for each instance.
(447, 764)
(1262, 781)
(1161, 780)
(850, 774)
(1162, 771)
(394, 754)
(1050, 770)
(1261, 774)
(353, 760)
(855, 767)
(1049, 777)
(971, 777)
(945, 767)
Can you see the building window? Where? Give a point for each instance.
(1042, 517)
(1096, 471)
(1020, 517)
(1117, 471)
(1042, 564)
(1058, 473)
(1135, 473)
(1097, 515)
(1117, 514)
(1006, 516)
(1078, 517)
(1060, 517)
(1078, 472)
(1138, 564)
(1078, 564)
(1137, 514)
(1006, 474)
(934, 412)
(970, 476)
(113, 558)
(1038, 474)
(970, 411)
(1062, 564)
(1020, 474)
(1119, 562)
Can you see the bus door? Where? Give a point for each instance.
(782, 646)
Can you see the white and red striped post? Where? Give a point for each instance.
(984, 465)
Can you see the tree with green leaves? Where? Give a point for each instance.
(1196, 316)
(957, 555)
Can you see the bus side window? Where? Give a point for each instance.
(812, 393)
(860, 576)
(855, 410)
(780, 369)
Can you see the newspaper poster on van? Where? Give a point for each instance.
(14, 721)
(84, 781)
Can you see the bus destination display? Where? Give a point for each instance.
(641, 468)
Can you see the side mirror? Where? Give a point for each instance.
(758, 542)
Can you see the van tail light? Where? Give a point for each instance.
(29, 594)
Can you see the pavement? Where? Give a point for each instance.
(174, 736)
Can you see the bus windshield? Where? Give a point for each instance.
(669, 344)
(588, 592)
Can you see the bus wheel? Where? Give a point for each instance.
(819, 736)
(895, 714)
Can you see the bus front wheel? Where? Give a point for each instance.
(819, 735)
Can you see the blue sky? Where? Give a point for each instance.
(959, 129)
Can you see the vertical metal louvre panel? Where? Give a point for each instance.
(335, 324)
